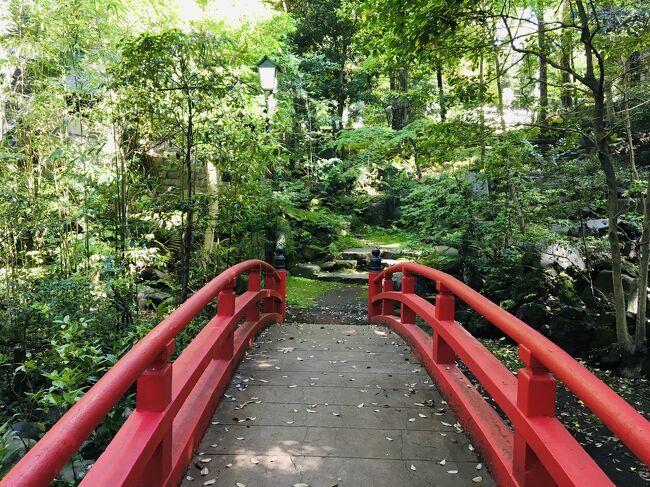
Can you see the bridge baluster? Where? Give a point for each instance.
(388, 305)
(254, 276)
(154, 393)
(445, 310)
(408, 286)
(225, 308)
(374, 288)
(536, 393)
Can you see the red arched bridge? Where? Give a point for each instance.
(314, 432)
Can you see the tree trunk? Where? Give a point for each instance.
(497, 67)
(400, 106)
(628, 123)
(189, 210)
(481, 75)
(341, 95)
(441, 93)
(566, 98)
(602, 146)
(597, 86)
(640, 331)
(213, 180)
(543, 67)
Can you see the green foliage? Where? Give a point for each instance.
(441, 208)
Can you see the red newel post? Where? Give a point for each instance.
(536, 393)
(225, 308)
(408, 287)
(154, 393)
(254, 283)
(269, 283)
(281, 287)
(445, 311)
(374, 288)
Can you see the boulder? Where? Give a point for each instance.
(533, 314)
(604, 284)
(391, 254)
(340, 264)
(571, 329)
(309, 271)
(148, 296)
(445, 251)
(561, 256)
(13, 448)
(312, 253)
(561, 229)
(26, 429)
(632, 299)
(388, 262)
(362, 256)
(423, 287)
(598, 227)
(151, 274)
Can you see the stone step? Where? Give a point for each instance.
(345, 277)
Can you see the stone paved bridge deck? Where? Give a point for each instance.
(333, 405)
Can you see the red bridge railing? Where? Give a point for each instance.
(174, 401)
(540, 451)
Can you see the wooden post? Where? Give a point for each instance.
(374, 288)
(254, 282)
(408, 287)
(445, 311)
(536, 393)
(225, 308)
(154, 393)
(388, 305)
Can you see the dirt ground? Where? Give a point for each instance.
(344, 305)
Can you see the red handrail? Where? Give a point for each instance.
(531, 401)
(144, 361)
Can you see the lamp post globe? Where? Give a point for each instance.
(268, 73)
